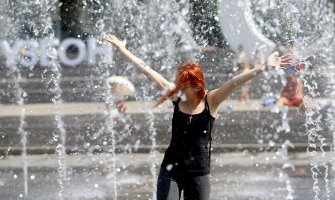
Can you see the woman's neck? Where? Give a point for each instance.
(193, 102)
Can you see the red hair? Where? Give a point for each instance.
(189, 73)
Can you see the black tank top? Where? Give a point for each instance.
(188, 151)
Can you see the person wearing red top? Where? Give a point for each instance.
(292, 93)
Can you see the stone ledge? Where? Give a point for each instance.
(134, 107)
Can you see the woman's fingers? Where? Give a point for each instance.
(285, 63)
(285, 59)
(125, 109)
(283, 67)
(110, 35)
(122, 107)
(286, 56)
(110, 38)
(114, 40)
(290, 57)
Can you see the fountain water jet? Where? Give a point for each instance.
(151, 36)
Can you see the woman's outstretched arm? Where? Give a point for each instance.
(217, 96)
(139, 64)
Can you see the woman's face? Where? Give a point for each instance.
(189, 90)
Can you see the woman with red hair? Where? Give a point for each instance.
(186, 163)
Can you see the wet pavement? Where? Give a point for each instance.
(239, 176)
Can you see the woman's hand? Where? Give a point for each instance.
(283, 61)
(122, 107)
(115, 41)
(162, 83)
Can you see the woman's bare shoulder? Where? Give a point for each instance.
(174, 97)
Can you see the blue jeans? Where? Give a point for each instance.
(170, 185)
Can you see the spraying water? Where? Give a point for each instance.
(40, 26)
(152, 29)
(308, 24)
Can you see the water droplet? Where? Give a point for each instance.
(169, 167)
(272, 143)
